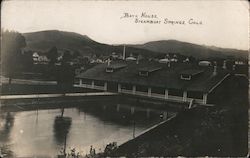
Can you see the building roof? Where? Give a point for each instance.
(166, 77)
(191, 72)
(117, 65)
(165, 60)
(205, 63)
(150, 68)
(130, 58)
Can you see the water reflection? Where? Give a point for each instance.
(123, 114)
(6, 124)
(79, 126)
(61, 129)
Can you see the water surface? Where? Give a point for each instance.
(44, 132)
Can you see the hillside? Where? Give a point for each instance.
(44, 40)
(189, 49)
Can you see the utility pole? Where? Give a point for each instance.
(65, 143)
(124, 53)
(133, 127)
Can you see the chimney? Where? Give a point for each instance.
(124, 53)
(224, 65)
(169, 64)
(234, 67)
(215, 70)
(109, 61)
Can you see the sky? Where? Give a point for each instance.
(219, 23)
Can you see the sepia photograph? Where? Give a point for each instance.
(109, 78)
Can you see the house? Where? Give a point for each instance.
(130, 58)
(164, 60)
(43, 59)
(205, 63)
(39, 58)
(183, 82)
(35, 57)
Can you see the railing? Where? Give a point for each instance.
(155, 95)
(99, 87)
(90, 86)
(141, 93)
(176, 98)
(31, 96)
(126, 91)
(152, 95)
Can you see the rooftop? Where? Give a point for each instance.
(150, 68)
(165, 77)
(191, 72)
(117, 65)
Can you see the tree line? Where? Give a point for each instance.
(15, 60)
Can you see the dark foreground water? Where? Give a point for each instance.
(44, 132)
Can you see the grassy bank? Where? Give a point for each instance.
(212, 131)
(198, 132)
(6, 89)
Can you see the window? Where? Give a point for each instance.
(143, 73)
(185, 77)
(109, 69)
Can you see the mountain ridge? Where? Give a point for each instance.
(191, 49)
(64, 40)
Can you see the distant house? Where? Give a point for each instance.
(114, 55)
(205, 63)
(164, 61)
(239, 62)
(79, 70)
(130, 58)
(174, 60)
(39, 58)
(35, 57)
(182, 83)
(168, 59)
(186, 60)
(43, 58)
(59, 58)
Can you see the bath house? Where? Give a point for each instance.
(181, 82)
